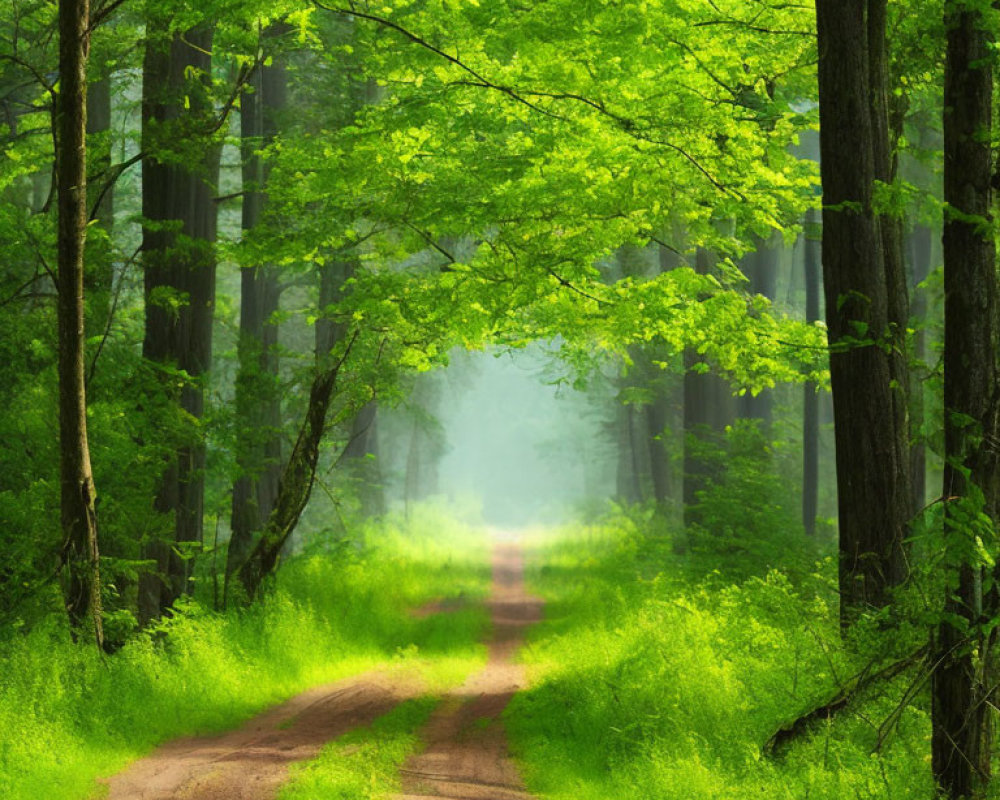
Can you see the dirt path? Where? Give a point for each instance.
(251, 763)
(466, 756)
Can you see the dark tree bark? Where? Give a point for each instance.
(77, 493)
(258, 401)
(810, 399)
(862, 319)
(919, 250)
(961, 701)
(179, 283)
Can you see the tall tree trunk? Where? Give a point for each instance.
(810, 399)
(99, 276)
(887, 128)
(761, 268)
(658, 411)
(258, 402)
(179, 285)
(657, 417)
(961, 702)
(77, 492)
(919, 250)
(629, 473)
(709, 407)
(869, 405)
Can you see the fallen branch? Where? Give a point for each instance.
(782, 737)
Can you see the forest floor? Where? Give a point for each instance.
(465, 751)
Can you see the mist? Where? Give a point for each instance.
(529, 449)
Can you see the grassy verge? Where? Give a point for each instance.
(68, 715)
(649, 683)
(363, 764)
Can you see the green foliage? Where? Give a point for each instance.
(748, 516)
(364, 764)
(648, 684)
(68, 715)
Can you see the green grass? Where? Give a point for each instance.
(69, 715)
(650, 683)
(363, 764)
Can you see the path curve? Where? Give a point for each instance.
(252, 762)
(466, 756)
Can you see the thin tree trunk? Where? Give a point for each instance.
(810, 398)
(709, 407)
(659, 464)
(361, 458)
(628, 484)
(296, 483)
(77, 492)
(99, 275)
(961, 702)
(258, 402)
(919, 248)
(761, 268)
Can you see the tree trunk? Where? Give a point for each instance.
(961, 702)
(360, 457)
(99, 276)
(709, 407)
(887, 128)
(919, 249)
(179, 287)
(810, 399)
(629, 474)
(299, 473)
(294, 488)
(657, 417)
(77, 493)
(761, 268)
(869, 404)
(258, 401)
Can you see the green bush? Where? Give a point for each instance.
(648, 683)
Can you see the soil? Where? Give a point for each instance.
(252, 762)
(466, 756)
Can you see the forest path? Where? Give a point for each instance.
(466, 757)
(252, 762)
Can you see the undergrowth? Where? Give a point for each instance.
(363, 764)
(650, 682)
(69, 715)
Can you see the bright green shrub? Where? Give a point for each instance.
(668, 687)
